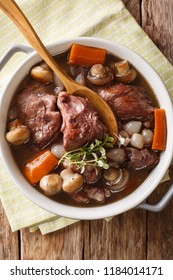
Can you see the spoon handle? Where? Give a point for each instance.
(11, 9)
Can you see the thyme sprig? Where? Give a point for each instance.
(92, 154)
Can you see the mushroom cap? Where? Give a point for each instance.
(42, 73)
(111, 174)
(18, 135)
(71, 181)
(51, 184)
(100, 75)
(116, 181)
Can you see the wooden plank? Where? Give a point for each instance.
(134, 8)
(122, 238)
(9, 242)
(157, 21)
(65, 244)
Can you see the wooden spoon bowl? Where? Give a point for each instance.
(10, 8)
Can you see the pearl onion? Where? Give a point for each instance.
(148, 136)
(137, 141)
(132, 127)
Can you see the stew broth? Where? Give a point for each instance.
(25, 151)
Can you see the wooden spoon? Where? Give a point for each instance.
(10, 8)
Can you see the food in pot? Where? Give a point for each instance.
(37, 108)
(129, 102)
(42, 73)
(51, 183)
(18, 133)
(60, 143)
(80, 122)
(125, 74)
(100, 75)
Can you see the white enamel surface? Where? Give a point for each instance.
(145, 189)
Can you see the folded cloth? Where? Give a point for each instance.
(54, 20)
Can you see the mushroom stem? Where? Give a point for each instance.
(125, 73)
(122, 67)
(100, 75)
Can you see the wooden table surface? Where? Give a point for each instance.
(136, 234)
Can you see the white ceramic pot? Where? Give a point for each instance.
(102, 211)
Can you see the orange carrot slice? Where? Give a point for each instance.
(86, 56)
(39, 165)
(159, 138)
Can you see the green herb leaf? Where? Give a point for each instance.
(93, 154)
(105, 165)
(100, 163)
(102, 151)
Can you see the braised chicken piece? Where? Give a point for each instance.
(38, 111)
(145, 158)
(127, 101)
(81, 122)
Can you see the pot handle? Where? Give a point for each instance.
(11, 51)
(161, 204)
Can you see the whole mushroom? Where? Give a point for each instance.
(51, 184)
(72, 182)
(100, 75)
(125, 73)
(115, 179)
(42, 73)
(18, 133)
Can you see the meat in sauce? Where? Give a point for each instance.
(81, 122)
(127, 101)
(52, 129)
(38, 110)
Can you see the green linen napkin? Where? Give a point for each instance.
(54, 20)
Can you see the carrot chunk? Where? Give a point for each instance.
(39, 165)
(86, 56)
(159, 138)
